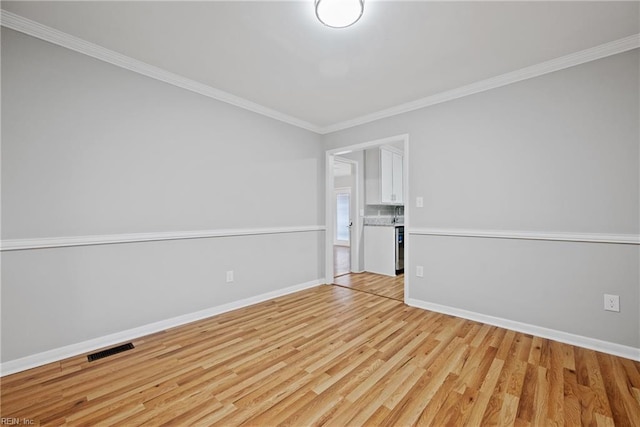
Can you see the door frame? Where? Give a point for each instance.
(329, 216)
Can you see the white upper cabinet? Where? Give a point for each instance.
(386, 176)
(397, 177)
(384, 169)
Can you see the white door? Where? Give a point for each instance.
(342, 199)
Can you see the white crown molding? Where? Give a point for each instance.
(106, 239)
(628, 239)
(526, 328)
(571, 60)
(57, 354)
(43, 32)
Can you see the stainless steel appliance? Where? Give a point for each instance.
(399, 249)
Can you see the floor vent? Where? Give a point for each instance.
(109, 352)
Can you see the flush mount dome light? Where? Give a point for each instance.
(339, 13)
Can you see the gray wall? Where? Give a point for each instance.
(558, 153)
(57, 297)
(92, 149)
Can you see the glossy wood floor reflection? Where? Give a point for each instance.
(378, 284)
(337, 357)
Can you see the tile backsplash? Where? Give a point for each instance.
(383, 210)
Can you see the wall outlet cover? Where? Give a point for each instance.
(229, 276)
(612, 302)
(419, 271)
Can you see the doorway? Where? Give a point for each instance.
(344, 204)
(342, 234)
(395, 287)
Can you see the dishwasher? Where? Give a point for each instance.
(399, 249)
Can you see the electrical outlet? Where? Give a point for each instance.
(612, 302)
(419, 202)
(419, 271)
(229, 276)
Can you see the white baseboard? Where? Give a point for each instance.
(72, 350)
(564, 337)
(57, 354)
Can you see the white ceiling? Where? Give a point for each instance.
(276, 54)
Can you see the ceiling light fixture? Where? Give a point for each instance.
(339, 13)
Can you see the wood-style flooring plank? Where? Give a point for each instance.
(333, 356)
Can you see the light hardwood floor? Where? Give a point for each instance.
(333, 356)
(377, 284)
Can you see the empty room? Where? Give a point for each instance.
(320, 212)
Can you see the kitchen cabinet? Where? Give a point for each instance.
(380, 249)
(384, 176)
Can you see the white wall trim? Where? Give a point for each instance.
(55, 355)
(59, 242)
(552, 334)
(629, 239)
(571, 60)
(43, 32)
